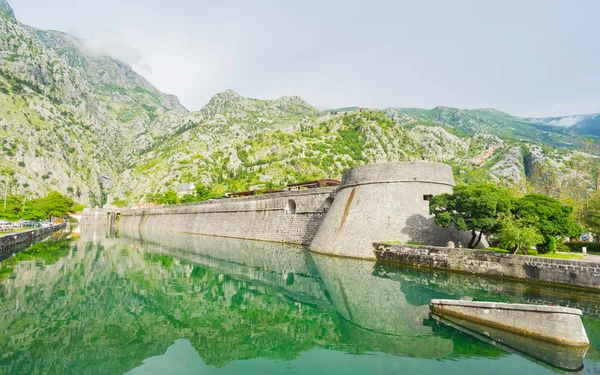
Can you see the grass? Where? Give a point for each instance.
(535, 253)
(16, 230)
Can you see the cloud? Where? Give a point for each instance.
(114, 45)
(567, 122)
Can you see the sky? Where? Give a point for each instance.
(529, 58)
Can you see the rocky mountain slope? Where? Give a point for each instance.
(68, 118)
(584, 124)
(89, 126)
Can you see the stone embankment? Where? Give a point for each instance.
(9, 240)
(482, 262)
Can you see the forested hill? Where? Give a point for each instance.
(87, 125)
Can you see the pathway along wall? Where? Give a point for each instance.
(289, 217)
(385, 202)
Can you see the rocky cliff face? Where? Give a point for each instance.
(87, 125)
(69, 119)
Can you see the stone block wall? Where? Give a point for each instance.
(289, 217)
(557, 271)
(10, 240)
(385, 202)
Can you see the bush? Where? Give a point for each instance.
(548, 246)
(575, 246)
(562, 248)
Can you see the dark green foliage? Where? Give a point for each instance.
(551, 217)
(52, 205)
(575, 246)
(170, 197)
(548, 246)
(590, 214)
(475, 208)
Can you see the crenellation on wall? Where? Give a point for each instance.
(482, 262)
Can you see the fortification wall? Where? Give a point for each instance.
(385, 202)
(289, 217)
(557, 271)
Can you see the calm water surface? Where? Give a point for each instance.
(164, 303)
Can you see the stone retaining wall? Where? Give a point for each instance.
(289, 217)
(10, 240)
(558, 271)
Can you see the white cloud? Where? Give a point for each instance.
(113, 44)
(567, 122)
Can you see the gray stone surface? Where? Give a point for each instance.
(377, 202)
(509, 306)
(558, 271)
(385, 202)
(263, 217)
(10, 240)
(554, 324)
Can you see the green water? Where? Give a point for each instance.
(164, 303)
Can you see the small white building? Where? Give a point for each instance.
(186, 189)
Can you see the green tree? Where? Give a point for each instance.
(590, 213)
(53, 205)
(187, 198)
(552, 218)
(120, 202)
(476, 208)
(203, 193)
(170, 197)
(515, 235)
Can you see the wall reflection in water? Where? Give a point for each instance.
(110, 304)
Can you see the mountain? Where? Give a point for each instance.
(86, 124)
(584, 124)
(70, 119)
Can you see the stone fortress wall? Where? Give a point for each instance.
(289, 217)
(385, 202)
(378, 202)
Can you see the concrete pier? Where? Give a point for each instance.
(552, 324)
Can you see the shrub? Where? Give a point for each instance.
(575, 246)
(563, 248)
(548, 246)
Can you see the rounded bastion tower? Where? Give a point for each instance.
(385, 202)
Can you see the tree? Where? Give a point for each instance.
(52, 205)
(551, 217)
(170, 197)
(187, 198)
(515, 235)
(203, 193)
(590, 213)
(476, 208)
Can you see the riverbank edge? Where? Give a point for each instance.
(10, 240)
(562, 272)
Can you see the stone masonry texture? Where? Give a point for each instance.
(557, 271)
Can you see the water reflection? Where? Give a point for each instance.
(140, 303)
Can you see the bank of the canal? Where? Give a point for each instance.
(12, 240)
(563, 272)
